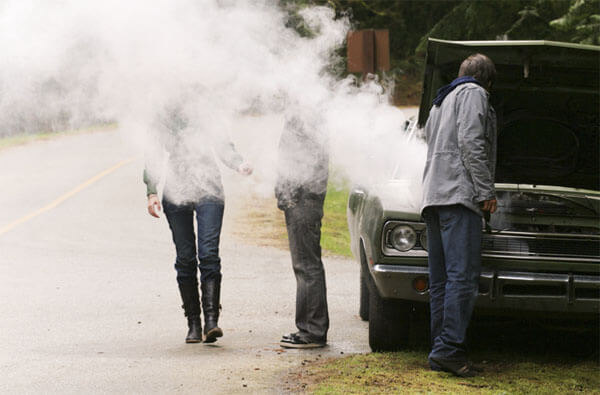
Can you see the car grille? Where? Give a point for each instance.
(541, 245)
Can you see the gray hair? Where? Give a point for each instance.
(479, 67)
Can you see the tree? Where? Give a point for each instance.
(412, 22)
(581, 23)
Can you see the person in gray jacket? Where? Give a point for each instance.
(458, 188)
(303, 170)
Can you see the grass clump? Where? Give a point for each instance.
(518, 356)
(21, 139)
(263, 224)
(407, 372)
(335, 238)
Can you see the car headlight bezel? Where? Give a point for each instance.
(417, 249)
(423, 239)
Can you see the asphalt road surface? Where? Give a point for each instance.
(89, 302)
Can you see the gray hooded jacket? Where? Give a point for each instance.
(303, 164)
(461, 155)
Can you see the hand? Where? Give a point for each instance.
(489, 205)
(245, 169)
(154, 206)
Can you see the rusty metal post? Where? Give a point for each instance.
(354, 52)
(382, 50)
(368, 51)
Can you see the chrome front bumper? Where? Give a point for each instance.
(505, 290)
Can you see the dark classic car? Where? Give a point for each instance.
(541, 249)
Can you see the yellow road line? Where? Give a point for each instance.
(64, 197)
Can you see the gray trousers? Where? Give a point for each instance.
(303, 223)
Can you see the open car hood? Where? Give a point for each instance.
(547, 100)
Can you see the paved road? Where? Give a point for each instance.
(89, 299)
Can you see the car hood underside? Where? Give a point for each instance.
(546, 98)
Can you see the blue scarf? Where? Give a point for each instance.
(446, 89)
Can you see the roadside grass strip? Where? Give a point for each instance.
(264, 224)
(12, 141)
(261, 223)
(408, 373)
(335, 237)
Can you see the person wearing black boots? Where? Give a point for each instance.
(192, 188)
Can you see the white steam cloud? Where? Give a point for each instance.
(70, 63)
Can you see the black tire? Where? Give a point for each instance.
(363, 310)
(389, 323)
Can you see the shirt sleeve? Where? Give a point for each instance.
(151, 184)
(227, 153)
(472, 108)
(154, 155)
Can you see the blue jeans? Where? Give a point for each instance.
(454, 247)
(209, 216)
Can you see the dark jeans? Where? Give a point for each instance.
(209, 216)
(454, 247)
(303, 223)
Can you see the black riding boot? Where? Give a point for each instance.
(191, 307)
(211, 292)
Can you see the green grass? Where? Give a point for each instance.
(335, 237)
(518, 356)
(12, 141)
(407, 372)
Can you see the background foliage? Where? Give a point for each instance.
(411, 22)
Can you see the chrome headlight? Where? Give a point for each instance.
(403, 238)
(423, 239)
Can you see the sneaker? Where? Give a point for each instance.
(294, 341)
(290, 336)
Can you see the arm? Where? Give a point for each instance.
(286, 187)
(472, 108)
(226, 151)
(154, 207)
(151, 183)
(153, 159)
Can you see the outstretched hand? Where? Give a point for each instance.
(154, 207)
(245, 169)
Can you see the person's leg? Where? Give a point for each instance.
(304, 233)
(180, 220)
(437, 273)
(209, 214)
(461, 237)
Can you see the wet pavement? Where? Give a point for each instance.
(89, 298)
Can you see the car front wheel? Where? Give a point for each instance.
(389, 323)
(363, 310)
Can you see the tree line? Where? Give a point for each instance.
(411, 22)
